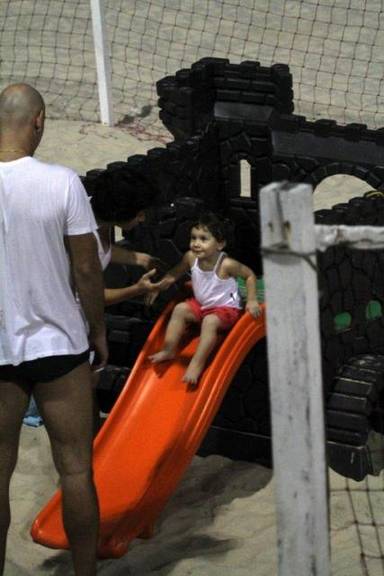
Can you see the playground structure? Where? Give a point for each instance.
(221, 114)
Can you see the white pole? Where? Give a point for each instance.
(298, 437)
(103, 63)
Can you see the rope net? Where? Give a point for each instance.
(357, 524)
(334, 50)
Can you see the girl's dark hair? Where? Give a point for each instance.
(120, 194)
(221, 228)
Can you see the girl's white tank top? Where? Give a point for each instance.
(210, 290)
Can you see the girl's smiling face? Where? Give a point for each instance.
(203, 244)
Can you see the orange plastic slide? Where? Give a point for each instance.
(150, 437)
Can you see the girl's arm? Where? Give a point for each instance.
(174, 273)
(170, 278)
(235, 269)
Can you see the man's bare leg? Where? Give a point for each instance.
(207, 341)
(14, 399)
(181, 317)
(67, 409)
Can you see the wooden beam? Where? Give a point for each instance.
(293, 334)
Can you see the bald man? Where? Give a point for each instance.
(46, 239)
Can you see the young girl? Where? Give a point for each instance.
(216, 303)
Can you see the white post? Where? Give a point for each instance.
(103, 63)
(298, 437)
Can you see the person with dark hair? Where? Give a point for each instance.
(119, 194)
(121, 198)
(216, 302)
(47, 245)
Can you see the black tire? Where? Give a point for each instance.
(354, 417)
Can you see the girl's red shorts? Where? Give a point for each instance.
(228, 315)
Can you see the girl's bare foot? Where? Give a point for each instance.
(162, 356)
(192, 374)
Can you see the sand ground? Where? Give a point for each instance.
(221, 520)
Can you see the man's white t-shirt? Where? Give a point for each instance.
(40, 204)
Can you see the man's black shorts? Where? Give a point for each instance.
(43, 369)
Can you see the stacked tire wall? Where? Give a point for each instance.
(220, 114)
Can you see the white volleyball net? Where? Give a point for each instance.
(334, 50)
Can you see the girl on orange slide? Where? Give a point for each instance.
(216, 304)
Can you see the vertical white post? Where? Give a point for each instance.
(298, 437)
(103, 63)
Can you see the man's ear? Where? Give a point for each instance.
(39, 121)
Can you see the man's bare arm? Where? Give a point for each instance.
(88, 278)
